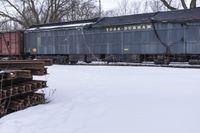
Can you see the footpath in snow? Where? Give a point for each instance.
(100, 99)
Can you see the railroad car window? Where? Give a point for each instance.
(134, 27)
(130, 28)
(114, 29)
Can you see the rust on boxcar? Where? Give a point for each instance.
(11, 43)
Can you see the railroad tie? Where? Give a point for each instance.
(18, 89)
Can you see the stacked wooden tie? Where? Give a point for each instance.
(18, 90)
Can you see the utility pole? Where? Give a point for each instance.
(99, 8)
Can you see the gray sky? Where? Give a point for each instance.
(110, 4)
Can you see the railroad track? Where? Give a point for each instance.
(173, 65)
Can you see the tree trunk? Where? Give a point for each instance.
(184, 4)
(168, 5)
(193, 4)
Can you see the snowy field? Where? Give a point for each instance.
(100, 99)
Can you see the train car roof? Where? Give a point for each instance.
(63, 24)
(124, 20)
(177, 16)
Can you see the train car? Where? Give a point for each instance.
(11, 44)
(161, 37)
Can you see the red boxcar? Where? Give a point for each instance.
(11, 43)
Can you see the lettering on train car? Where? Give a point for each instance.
(129, 28)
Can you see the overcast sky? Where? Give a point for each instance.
(110, 4)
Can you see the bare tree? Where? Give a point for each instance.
(109, 13)
(100, 8)
(193, 4)
(125, 7)
(135, 7)
(29, 12)
(157, 5)
(82, 10)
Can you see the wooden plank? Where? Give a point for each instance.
(47, 62)
(14, 74)
(36, 67)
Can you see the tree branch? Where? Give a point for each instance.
(184, 4)
(168, 5)
(18, 11)
(11, 18)
(35, 13)
(193, 4)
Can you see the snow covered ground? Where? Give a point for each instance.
(100, 99)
